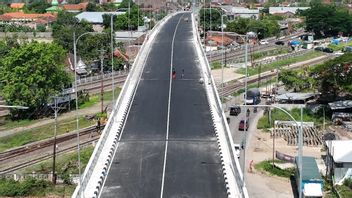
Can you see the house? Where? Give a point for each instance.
(236, 12)
(339, 160)
(30, 20)
(213, 42)
(75, 7)
(128, 36)
(17, 6)
(341, 111)
(312, 182)
(285, 11)
(95, 18)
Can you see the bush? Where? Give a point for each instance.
(348, 183)
(274, 170)
(30, 186)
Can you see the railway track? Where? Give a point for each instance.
(230, 88)
(95, 86)
(45, 157)
(227, 90)
(6, 155)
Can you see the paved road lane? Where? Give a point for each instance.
(192, 164)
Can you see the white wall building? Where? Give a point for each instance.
(282, 10)
(236, 12)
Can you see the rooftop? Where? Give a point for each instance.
(343, 104)
(310, 169)
(23, 16)
(95, 17)
(75, 7)
(340, 150)
(295, 96)
(17, 5)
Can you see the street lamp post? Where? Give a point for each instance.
(75, 41)
(300, 139)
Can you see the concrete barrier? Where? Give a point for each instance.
(98, 166)
(230, 165)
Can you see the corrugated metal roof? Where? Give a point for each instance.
(95, 17)
(310, 169)
(273, 10)
(343, 104)
(295, 96)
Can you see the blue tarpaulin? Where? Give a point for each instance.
(295, 42)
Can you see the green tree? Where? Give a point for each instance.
(122, 21)
(240, 26)
(295, 79)
(327, 20)
(126, 3)
(334, 76)
(30, 74)
(264, 28)
(215, 19)
(64, 27)
(38, 6)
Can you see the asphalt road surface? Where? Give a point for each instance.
(168, 146)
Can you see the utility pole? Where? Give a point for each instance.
(56, 109)
(102, 79)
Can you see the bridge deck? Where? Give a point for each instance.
(168, 146)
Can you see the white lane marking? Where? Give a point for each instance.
(127, 115)
(168, 110)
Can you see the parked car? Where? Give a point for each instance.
(237, 150)
(328, 50)
(319, 49)
(263, 42)
(280, 43)
(241, 125)
(235, 110)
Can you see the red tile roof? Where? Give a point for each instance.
(20, 15)
(79, 7)
(119, 54)
(17, 5)
(218, 40)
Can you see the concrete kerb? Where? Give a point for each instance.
(119, 111)
(219, 121)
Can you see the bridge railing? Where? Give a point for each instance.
(231, 167)
(97, 168)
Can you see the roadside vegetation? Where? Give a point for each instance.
(280, 63)
(259, 55)
(95, 99)
(66, 164)
(31, 187)
(308, 116)
(267, 167)
(41, 133)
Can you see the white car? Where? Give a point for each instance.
(263, 42)
(237, 150)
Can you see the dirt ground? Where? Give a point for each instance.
(261, 185)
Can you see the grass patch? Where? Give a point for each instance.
(275, 52)
(215, 65)
(267, 166)
(33, 187)
(253, 71)
(344, 191)
(10, 124)
(41, 133)
(308, 116)
(340, 46)
(65, 163)
(95, 99)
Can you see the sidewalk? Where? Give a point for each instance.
(72, 114)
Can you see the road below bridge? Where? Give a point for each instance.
(168, 146)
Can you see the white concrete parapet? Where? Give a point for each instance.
(230, 165)
(98, 165)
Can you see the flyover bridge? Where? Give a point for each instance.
(167, 135)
